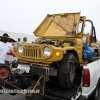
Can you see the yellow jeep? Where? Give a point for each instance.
(58, 50)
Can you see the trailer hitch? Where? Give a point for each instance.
(39, 86)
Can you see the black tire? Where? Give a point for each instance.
(66, 71)
(95, 95)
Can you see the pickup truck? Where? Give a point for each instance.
(86, 86)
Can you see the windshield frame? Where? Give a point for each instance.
(78, 32)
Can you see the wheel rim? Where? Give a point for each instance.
(4, 72)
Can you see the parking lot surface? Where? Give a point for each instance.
(6, 96)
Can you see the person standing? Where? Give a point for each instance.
(5, 47)
(24, 39)
(5, 50)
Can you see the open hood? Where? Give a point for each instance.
(65, 24)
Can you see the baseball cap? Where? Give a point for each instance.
(6, 35)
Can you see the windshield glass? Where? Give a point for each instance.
(87, 32)
(88, 27)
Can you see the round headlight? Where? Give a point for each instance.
(46, 51)
(20, 49)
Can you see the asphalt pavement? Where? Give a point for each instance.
(7, 96)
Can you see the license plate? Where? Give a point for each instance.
(24, 67)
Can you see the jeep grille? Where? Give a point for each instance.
(33, 52)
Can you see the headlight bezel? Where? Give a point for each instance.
(44, 51)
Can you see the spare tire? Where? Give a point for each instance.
(66, 71)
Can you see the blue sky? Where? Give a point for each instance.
(23, 16)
